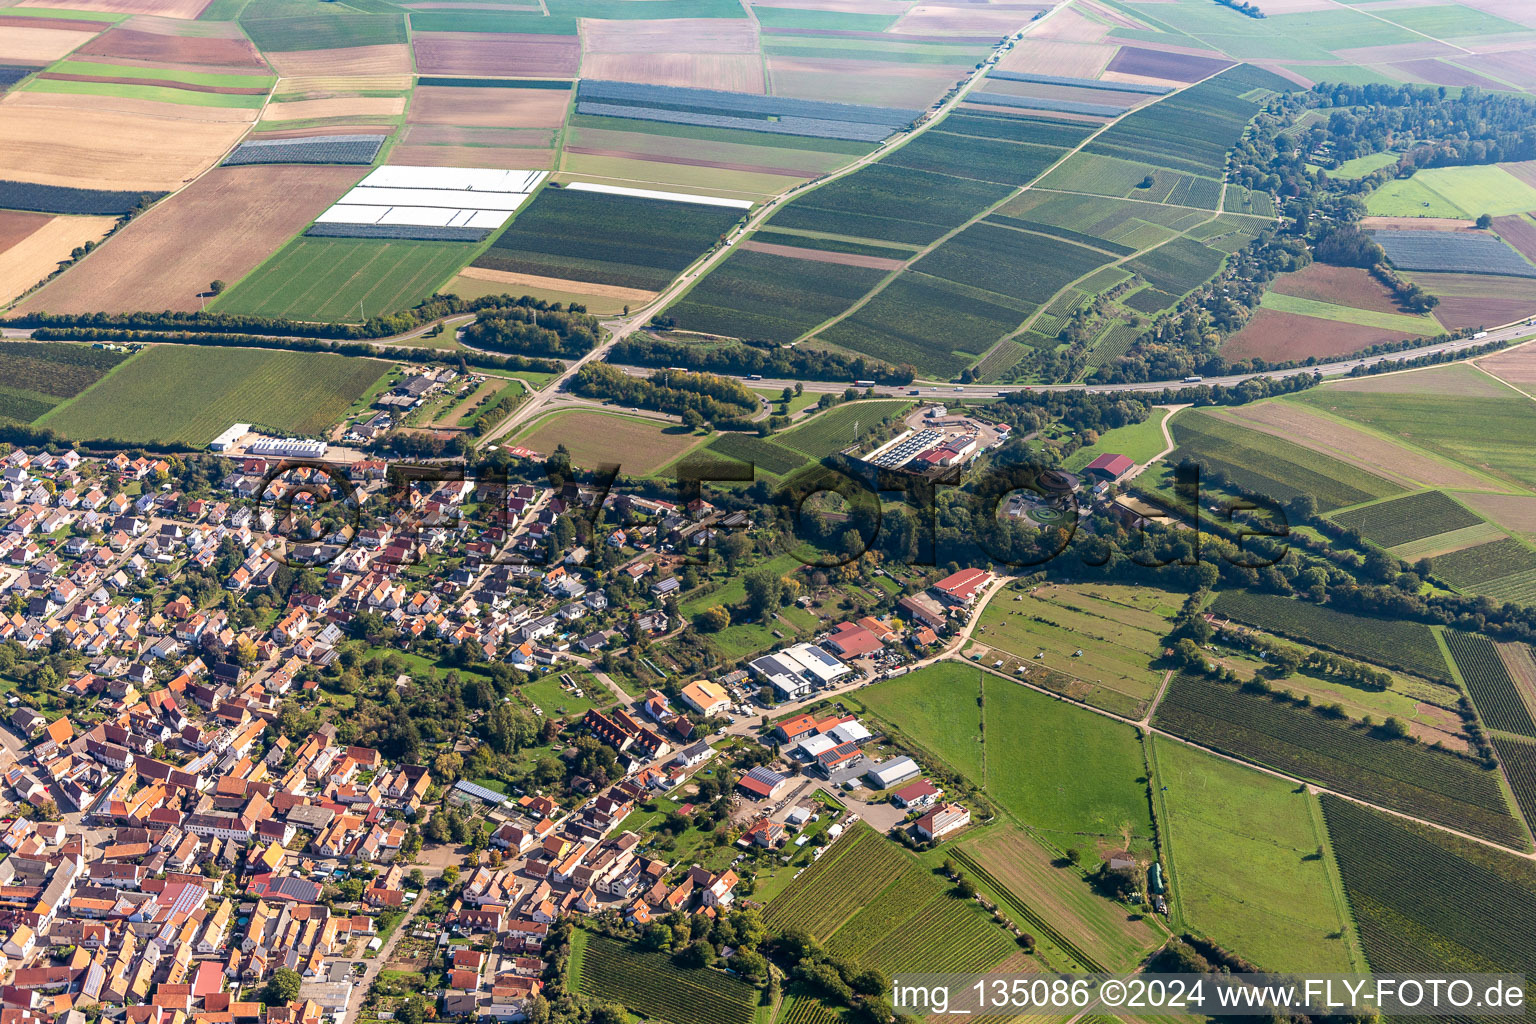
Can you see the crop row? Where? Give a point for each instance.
(1408, 646)
(320, 149)
(762, 454)
(762, 296)
(1271, 466)
(1472, 567)
(894, 204)
(1494, 693)
(1419, 905)
(922, 320)
(949, 934)
(1452, 253)
(1519, 761)
(619, 240)
(22, 195)
(1409, 518)
(648, 983)
(1395, 773)
(965, 156)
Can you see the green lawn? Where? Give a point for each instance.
(345, 279)
(1243, 856)
(937, 709)
(1060, 768)
(189, 394)
(1140, 441)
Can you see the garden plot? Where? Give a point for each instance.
(428, 203)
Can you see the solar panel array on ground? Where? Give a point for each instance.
(1452, 253)
(777, 115)
(318, 149)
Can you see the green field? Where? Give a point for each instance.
(1097, 644)
(1490, 430)
(838, 427)
(1139, 441)
(344, 279)
(651, 984)
(1242, 859)
(1467, 191)
(1034, 761)
(151, 397)
(1271, 466)
(1402, 322)
(607, 239)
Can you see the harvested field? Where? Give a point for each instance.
(1452, 381)
(674, 35)
(472, 156)
(732, 72)
(1520, 232)
(1052, 57)
(1414, 224)
(969, 20)
(846, 259)
(27, 260)
(221, 227)
(639, 445)
(1514, 512)
(1172, 67)
(51, 143)
(340, 106)
(163, 8)
(1344, 286)
(25, 45)
(123, 43)
(491, 108)
(859, 81)
(494, 53)
(635, 296)
(1349, 444)
(383, 59)
(1280, 336)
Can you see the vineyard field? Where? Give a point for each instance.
(1408, 646)
(1468, 918)
(648, 983)
(1493, 691)
(1409, 518)
(1395, 773)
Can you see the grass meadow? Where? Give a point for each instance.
(344, 279)
(149, 398)
(1243, 858)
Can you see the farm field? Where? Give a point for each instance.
(36, 376)
(1408, 646)
(221, 227)
(1453, 412)
(1455, 928)
(1117, 642)
(641, 445)
(650, 983)
(1271, 466)
(607, 239)
(1036, 769)
(145, 400)
(839, 427)
(344, 279)
(1073, 926)
(1301, 742)
(33, 245)
(1242, 859)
